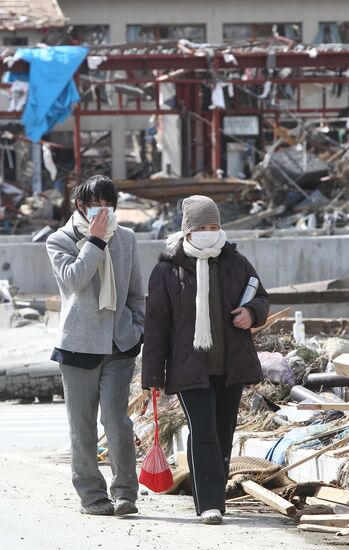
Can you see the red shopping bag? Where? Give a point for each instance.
(155, 473)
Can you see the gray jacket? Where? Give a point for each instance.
(83, 327)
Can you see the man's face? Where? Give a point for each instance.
(94, 203)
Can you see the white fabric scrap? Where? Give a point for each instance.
(48, 161)
(313, 52)
(230, 58)
(18, 95)
(94, 61)
(218, 96)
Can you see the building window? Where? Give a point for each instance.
(238, 32)
(90, 34)
(333, 33)
(147, 33)
(15, 41)
(77, 34)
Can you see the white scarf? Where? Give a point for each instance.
(203, 337)
(107, 293)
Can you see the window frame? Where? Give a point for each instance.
(158, 26)
(254, 35)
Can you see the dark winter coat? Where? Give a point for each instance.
(169, 358)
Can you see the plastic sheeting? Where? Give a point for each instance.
(52, 90)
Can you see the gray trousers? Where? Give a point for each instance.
(84, 389)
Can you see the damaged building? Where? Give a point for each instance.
(231, 95)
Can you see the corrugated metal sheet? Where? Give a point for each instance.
(30, 14)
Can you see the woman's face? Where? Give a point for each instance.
(207, 227)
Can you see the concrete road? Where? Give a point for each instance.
(39, 508)
(33, 427)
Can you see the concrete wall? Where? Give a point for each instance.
(279, 262)
(118, 14)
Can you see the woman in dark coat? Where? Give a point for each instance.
(195, 348)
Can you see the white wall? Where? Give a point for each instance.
(214, 13)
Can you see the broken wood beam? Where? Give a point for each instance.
(340, 531)
(249, 222)
(268, 497)
(334, 520)
(167, 188)
(333, 494)
(309, 297)
(272, 319)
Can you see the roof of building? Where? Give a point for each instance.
(30, 14)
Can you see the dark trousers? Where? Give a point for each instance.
(211, 414)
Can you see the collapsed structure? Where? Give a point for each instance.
(264, 125)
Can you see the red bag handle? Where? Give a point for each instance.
(155, 409)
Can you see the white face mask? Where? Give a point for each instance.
(204, 239)
(92, 212)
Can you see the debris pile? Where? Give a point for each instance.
(26, 370)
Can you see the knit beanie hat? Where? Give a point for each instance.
(199, 210)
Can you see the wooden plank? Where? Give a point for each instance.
(323, 406)
(341, 364)
(309, 297)
(272, 318)
(182, 182)
(268, 497)
(340, 496)
(335, 520)
(323, 529)
(249, 222)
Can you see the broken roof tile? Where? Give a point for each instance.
(30, 14)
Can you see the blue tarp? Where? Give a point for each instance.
(277, 452)
(52, 89)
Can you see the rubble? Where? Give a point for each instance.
(322, 432)
(293, 178)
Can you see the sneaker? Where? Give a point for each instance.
(211, 517)
(103, 507)
(122, 507)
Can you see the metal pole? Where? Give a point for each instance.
(36, 158)
(77, 139)
(77, 145)
(216, 142)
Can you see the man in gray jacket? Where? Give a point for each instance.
(97, 268)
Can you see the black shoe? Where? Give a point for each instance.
(122, 507)
(103, 507)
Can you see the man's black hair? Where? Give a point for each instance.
(96, 188)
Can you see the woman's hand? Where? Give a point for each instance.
(99, 224)
(243, 318)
